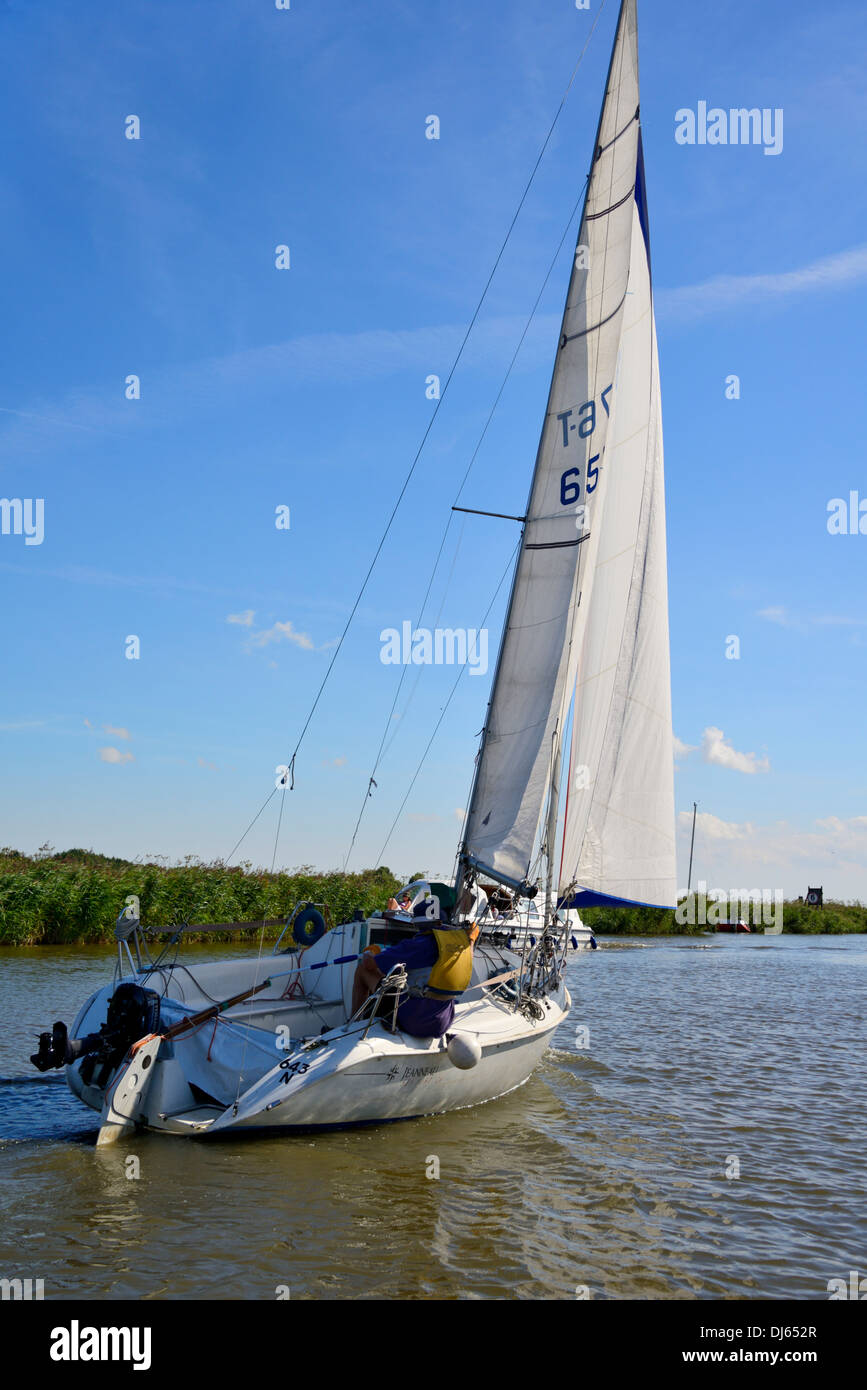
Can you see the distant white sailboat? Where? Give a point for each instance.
(274, 1044)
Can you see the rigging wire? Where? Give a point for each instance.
(452, 369)
(371, 783)
(450, 517)
(445, 594)
(445, 708)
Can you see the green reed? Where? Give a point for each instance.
(74, 897)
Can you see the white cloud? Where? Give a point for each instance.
(244, 619)
(460, 814)
(715, 750)
(282, 632)
(730, 291)
(115, 733)
(712, 828)
(212, 766)
(831, 851)
(114, 755)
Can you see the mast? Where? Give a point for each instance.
(518, 766)
(691, 848)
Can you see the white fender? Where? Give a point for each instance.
(464, 1051)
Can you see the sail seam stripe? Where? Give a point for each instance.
(633, 700)
(594, 216)
(627, 549)
(513, 733)
(589, 679)
(555, 545)
(570, 337)
(602, 148)
(621, 443)
(543, 622)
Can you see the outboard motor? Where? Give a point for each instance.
(133, 1012)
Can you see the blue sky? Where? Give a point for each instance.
(306, 388)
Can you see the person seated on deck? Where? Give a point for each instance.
(448, 950)
(401, 904)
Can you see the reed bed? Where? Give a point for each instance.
(74, 897)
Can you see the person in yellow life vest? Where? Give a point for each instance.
(446, 950)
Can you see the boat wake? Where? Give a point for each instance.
(41, 1109)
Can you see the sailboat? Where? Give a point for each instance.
(577, 733)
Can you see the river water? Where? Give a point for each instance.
(697, 1131)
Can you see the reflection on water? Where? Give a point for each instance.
(607, 1169)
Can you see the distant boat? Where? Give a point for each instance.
(739, 926)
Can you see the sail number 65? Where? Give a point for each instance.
(570, 483)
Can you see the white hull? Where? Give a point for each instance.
(393, 1077)
(297, 1064)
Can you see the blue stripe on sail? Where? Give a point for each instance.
(585, 897)
(641, 197)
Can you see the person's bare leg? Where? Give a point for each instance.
(367, 977)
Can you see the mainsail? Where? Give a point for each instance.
(588, 609)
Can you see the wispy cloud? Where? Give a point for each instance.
(800, 622)
(736, 291)
(212, 767)
(64, 423)
(779, 616)
(716, 750)
(114, 755)
(203, 384)
(835, 843)
(379, 352)
(84, 574)
(244, 619)
(115, 733)
(282, 632)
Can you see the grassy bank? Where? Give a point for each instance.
(797, 919)
(75, 897)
